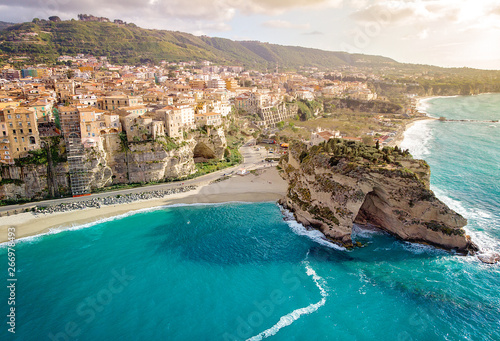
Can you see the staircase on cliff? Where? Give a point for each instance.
(79, 175)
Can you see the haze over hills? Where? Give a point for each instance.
(127, 43)
(4, 25)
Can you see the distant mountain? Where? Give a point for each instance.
(127, 43)
(4, 25)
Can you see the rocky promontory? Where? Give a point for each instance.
(338, 183)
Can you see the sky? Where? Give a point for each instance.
(449, 33)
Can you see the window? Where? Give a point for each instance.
(27, 116)
(20, 124)
(9, 116)
(13, 131)
(7, 156)
(32, 140)
(30, 131)
(21, 131)
(22, 138)
(29, 124)
(18, 116)
(7, 152)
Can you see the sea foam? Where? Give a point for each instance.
(289, 318)
(312, 234)
(417, 139)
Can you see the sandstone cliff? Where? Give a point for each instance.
(108, 163)
(333, 185)
(210, 144)
(145, 161)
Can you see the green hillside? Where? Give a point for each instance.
(133, 45)
(4, 25)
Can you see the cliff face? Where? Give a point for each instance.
(109, 163)
(31, 181)
(339, 183)
(210, 144)
(145, 161)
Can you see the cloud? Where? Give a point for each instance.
(422, 34)
(423, 11)
(279, 6)
(284, 24)
(192, 15)
(495, 11)
(385, 13)
(313, 33)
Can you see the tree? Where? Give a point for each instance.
(368, 140)
(54, 18)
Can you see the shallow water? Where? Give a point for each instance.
(240, 271)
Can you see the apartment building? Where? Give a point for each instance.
(119, 101)
(210, 119)
(43, 110)
(5, 156)
(21, 130)
(141, 127)
(172, 120)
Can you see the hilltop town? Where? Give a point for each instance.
(72, 123)
(88, 106)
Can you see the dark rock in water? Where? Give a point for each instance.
(489, 258)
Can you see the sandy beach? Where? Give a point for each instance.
(264, 185)
(398, 139)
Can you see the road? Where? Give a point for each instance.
(252, 157)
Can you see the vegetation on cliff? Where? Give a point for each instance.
(356, 156)
(339, 182)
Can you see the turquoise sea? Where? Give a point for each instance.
(241, 271)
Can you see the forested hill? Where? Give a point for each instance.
(127, 43)
(4, 25)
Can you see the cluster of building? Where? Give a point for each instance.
(88, 98)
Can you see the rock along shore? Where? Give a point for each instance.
(112, 200)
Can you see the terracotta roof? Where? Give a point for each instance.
(326, 135)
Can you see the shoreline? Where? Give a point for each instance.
(400, 136)
(265, 185)
(398, 139)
